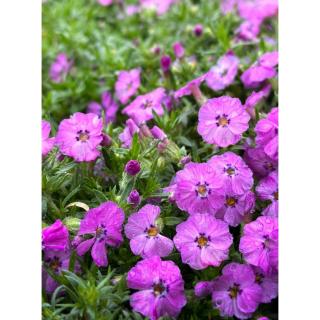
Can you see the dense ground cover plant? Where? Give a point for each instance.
(160, 152)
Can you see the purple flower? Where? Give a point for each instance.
(228, 5)
(198, 30)
(127, 134)
(105, 2)
(161, 288)
(256, 74)
(165, 63)
(198, 189)
(110, 106)
(104, 225)
(255, 98)
(94, 107)
(203, 288)
(79, 136)
(144, 234)
(134, 198)
(235, 292)
(203, 241)
(141, 108)
(222, 121)
(132, 167)
(232, 170)
(47, 143)
(267, 134)
(56, 262)
(189, 87)
(269, 59)
(236, 207)
(224, 73)
(178, 50)
(259, 162)
(257, 9)
(157, 133)
(259, 243)
(263, 318)
(127, 84)
(248, 30)
(60, 68)
(268, 284)
(267, 189)
(55, 237)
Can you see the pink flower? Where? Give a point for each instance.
(257, 9)
(189, 87)
(203, 288)
(105, 2)
(267, 189)
(233, 171)
(104, 225)
(47, 143)
(235, 292)
(161, 288)
(141, 108)
(236, 207)
(269, 59)
(60, 68)
(94, 107)
(79, 136)
(161, 6)
(224, 73)
(203, 241)
(178, 50)
(255, 98)
(127, 134)
(144, 234)
(248, 30)
(267, 134)
(198, 189)
(55, 237)
(256, 74)
(259, 243)
(222, 121)
(228, 5)
(127, 84)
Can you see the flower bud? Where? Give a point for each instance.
(198, 30)
(132, 167)
(106, 140)
(134, 198)
(165, 63)
(184, 160)
(178, 50)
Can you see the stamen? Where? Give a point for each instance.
(152, 231)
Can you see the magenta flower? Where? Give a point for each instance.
(110, 106)
(267, 134)
(203, 241)
(259, 162)
(236, 207)
(60, 68)
(235, 292)
(268, 284)
(222, 121)
(127, 84)
(157, 133)
(267, 189)
(165, 63)
(55, 237)
(223, 73)
(94, 107)
(105, 2)
(127, 134)
(233, 171)
(134, 198)
(190, 87)
(47, 143)
(144, 234)
(255, 98)
(178, 50)
(256, 74)
(228, 5)
(257, 9)
(141, 108)
(79, 136)
(104, 225)
(198, 30)
(132, 167)
(269, 59)
(198, 189)
(161, 288)
(259, 243)
(248, 30)
(203, 288)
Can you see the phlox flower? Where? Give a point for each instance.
(189, 87)
(256, 97)
(259, 243)
(55, 237)
(222, 121)
(79, 136)
(233, 171)
(257, 9)
(47, 143)
(104, 225)
(235, 292)
(60, 68)
(203, 241)
(144, 234)
(161, 288)
(127, 134)
(198, 189)
(127, 84)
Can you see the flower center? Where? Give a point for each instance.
(234, 291)
(259, 278)
(276, 195)
(202, 241)
(230, 170)
(83, 135)
(222, 120)
(152, 231)
(148, 104)
(158, 289)
(231, 202)
(101, 232)
(55, 264)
